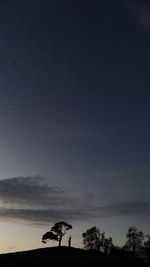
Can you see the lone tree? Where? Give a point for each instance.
(134, 240)
(57, 232)
(93, 238)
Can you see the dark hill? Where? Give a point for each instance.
(64, 256)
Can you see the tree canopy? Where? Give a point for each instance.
(93, 238)
(134, 239)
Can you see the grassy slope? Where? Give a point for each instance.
(62, 256)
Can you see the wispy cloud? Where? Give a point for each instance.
(125, 208)
(36, 191)
(37, 201)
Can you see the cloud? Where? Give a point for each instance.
(36, 191)
(36, 200)
(40, 217)
(129, 208)
(142, 9)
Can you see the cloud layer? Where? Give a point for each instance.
(36, 200)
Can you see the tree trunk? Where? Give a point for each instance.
(60, 241)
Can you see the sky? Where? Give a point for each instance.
(74, 119)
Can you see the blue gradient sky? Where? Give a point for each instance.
(74, 118)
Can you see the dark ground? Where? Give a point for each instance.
(64, 256)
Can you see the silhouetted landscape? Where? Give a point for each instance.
(97, 250)
(74, 133)
(66, 256)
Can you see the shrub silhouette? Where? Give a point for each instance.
(57, 232)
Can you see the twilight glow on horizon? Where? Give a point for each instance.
(74, 119)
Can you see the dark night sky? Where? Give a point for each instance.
(74, 113)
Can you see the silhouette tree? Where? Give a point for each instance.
(107, 245)
(49, 236)
(93, 238)
(134, 240)
(146, 247)
(147, 241)
(57, 232)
